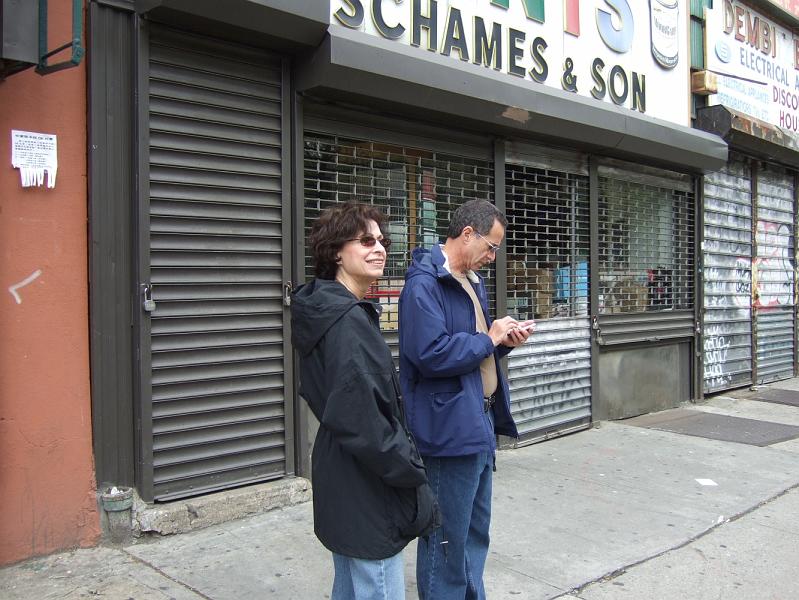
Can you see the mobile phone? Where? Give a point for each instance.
(526, 326)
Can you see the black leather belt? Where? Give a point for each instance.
(489, 402)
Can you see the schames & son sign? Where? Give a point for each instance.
(632, 53)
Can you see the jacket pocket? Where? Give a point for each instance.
(427, 515)
(447, 420)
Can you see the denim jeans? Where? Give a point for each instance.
(361, 579)
(453, 570)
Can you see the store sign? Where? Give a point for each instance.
(756, 62)
(631, 53)
(789, 6)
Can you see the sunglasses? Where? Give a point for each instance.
(369, 241)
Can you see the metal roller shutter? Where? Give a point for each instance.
(547, 205)
(215, 253)
(774, 274)
(727, 277)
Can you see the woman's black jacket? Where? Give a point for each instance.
(370, 491)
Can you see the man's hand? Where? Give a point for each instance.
(518, 335)
(500, 329)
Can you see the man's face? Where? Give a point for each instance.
(482, 249)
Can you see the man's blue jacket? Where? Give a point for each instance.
(440, 356)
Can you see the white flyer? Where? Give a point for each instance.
(36, 156)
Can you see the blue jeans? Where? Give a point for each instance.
(361, 579)
(454, 570)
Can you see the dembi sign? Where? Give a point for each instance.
(631, 53)
(756, 62)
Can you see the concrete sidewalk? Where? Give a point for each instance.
(618, 511)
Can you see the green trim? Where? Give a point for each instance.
(698, 8)
(697, 44)
(78, 50)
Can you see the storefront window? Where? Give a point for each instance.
(646, 243)
(548, 242)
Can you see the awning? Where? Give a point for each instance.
(750, 135)
(354, 66)
(292, 24)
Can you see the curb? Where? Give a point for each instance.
(212, 509)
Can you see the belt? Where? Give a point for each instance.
(489, 402)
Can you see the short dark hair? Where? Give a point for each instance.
(478, 214)
(335, 226)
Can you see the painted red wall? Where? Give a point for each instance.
(47, 487)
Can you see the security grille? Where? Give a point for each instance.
(727, 277)
(548, 246)
(416, 189)
(774, 274)
(548, 243)
(215, 243)
(646, 244)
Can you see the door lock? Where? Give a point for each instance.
(147, 293)
(287, 289)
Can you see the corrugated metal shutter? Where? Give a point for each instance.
(216, 264)
(774, 274)
(547, 206)
(417, 189)
(727, 247)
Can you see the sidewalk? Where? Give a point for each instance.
(627, 509)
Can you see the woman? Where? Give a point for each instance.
(371, 496)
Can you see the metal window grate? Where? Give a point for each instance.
(417, 189)
(548, 242)
(646, 247)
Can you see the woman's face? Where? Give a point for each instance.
(361, 263)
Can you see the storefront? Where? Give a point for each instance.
(749, 249)
(255, 117)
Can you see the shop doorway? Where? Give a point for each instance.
(213, 221)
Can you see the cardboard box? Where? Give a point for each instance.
(541, 284)
(627, 296)
(537, 284)
(517, 275)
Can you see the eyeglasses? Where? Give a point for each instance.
(369, 241)
(491, 245)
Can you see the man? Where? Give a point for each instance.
(456, 395)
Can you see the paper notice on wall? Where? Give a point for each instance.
(36, 157)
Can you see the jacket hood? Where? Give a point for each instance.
(315, 307)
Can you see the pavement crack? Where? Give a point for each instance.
(167, 575)
(622, 570)
(533, 578)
